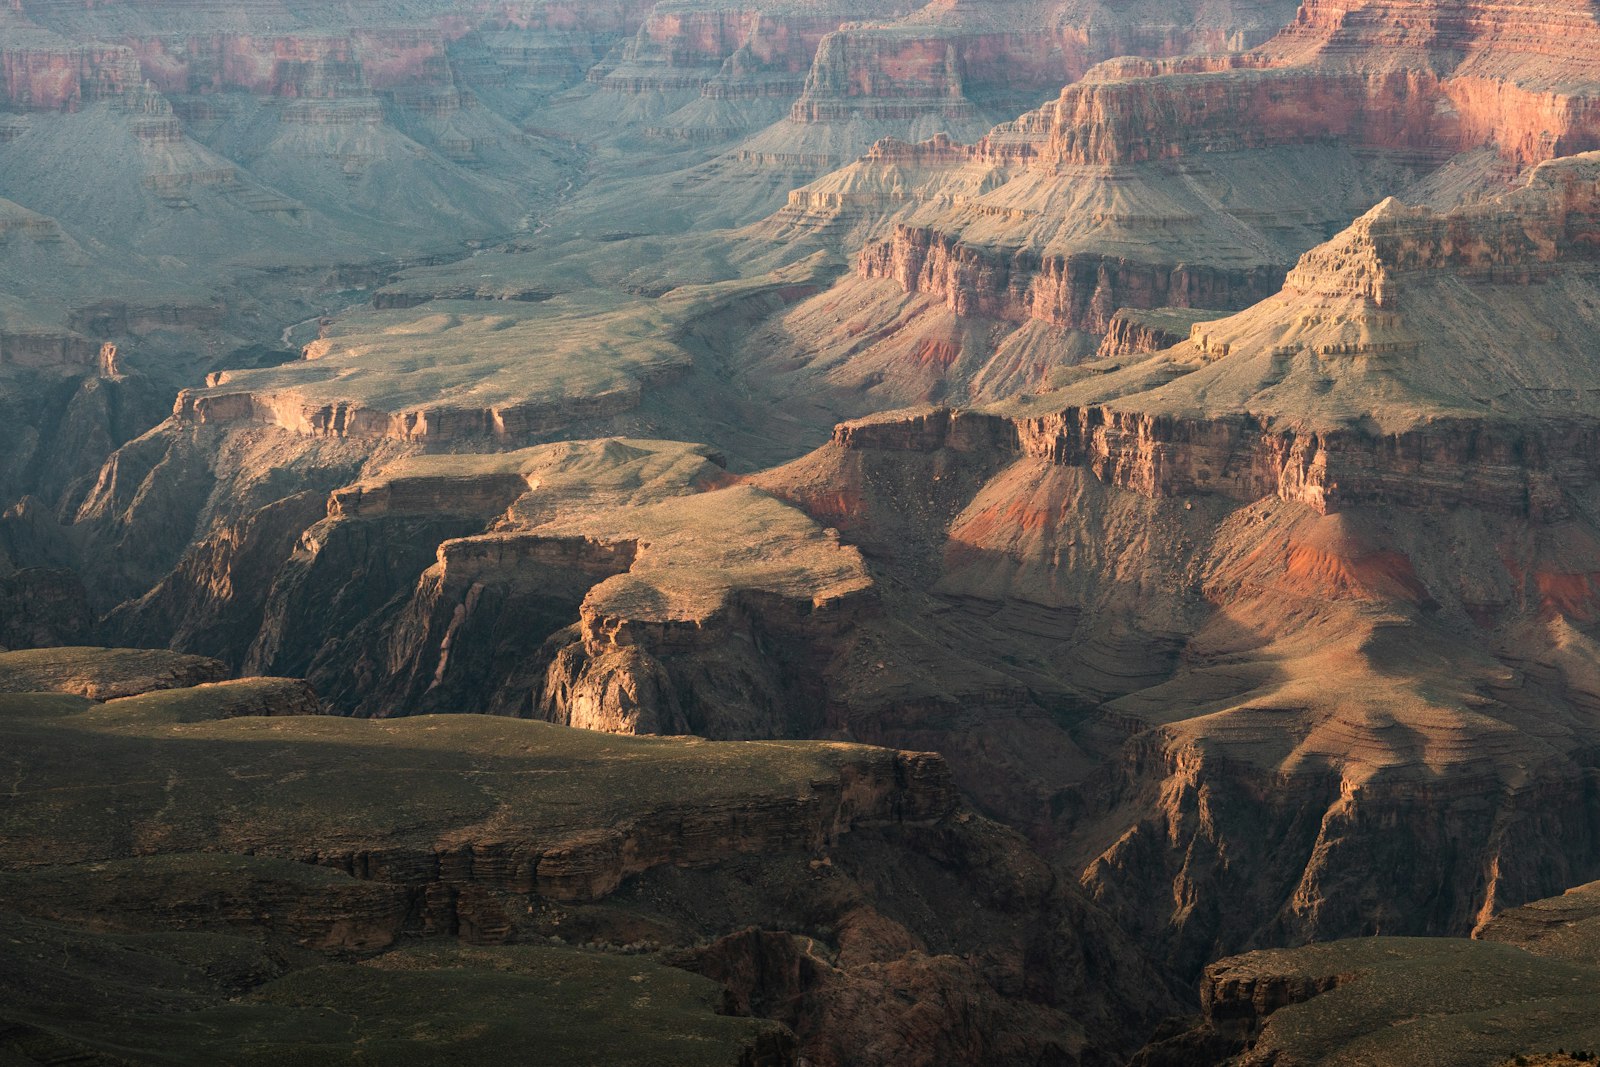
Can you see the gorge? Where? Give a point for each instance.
(778, 532)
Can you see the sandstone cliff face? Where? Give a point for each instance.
(1133, 332)
(1280, 653)
(55, 75)
(1377, 327)
(1402, 77)
(451, 591)
(313, 66)
(700, 77)
(1275, 762)
(1254, 622)
(890, 75)
(1196, 157)
(926, 67)
(605, 640)
(351, 419)
(980, 56)
(1081, 291)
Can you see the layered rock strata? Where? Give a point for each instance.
(862, 849)
(444, 373)
(1300, 579)
(1363, 325)
(957, 69)
(1196, 182)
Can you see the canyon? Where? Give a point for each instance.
(793, 532)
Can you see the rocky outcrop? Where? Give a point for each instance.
(1054, 220)
(476, 629)
(1236, 770)
(1362, 309)
(376, 374)
(347, 419)
(889, 75)
(947, 68)
(1223, 669)
(1080, 292)
(678, 48)
(41, 72)
(1503, 76)
(104, 674)
(666, 851)
(1447, 465)
(578, 583)
(1139, 332)
(1451, 464)
(708, 74)
(50, 351)
(1312, 1005)
(310, 66)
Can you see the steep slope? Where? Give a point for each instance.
(1314, 578)
(957, 67)
(361, 121)
(178, 181)
(1190, 182)
(1292, 619)
(590, 583)
(808, 86)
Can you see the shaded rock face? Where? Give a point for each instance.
(1132, 333)
(1276, 803)
(43, 607)
(1383, 268)
(1313, 676)
(861, 861)
(1290, 772)
(753, 672)
(453, 592)
(1264, 626)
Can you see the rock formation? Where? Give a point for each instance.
(1079, 599)
(1192, 182)
(537, 449)
(866, 852)
(1310, 589)
(1521, 993)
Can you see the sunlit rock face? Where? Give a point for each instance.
(899, 534)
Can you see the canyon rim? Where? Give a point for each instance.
(800, 533)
